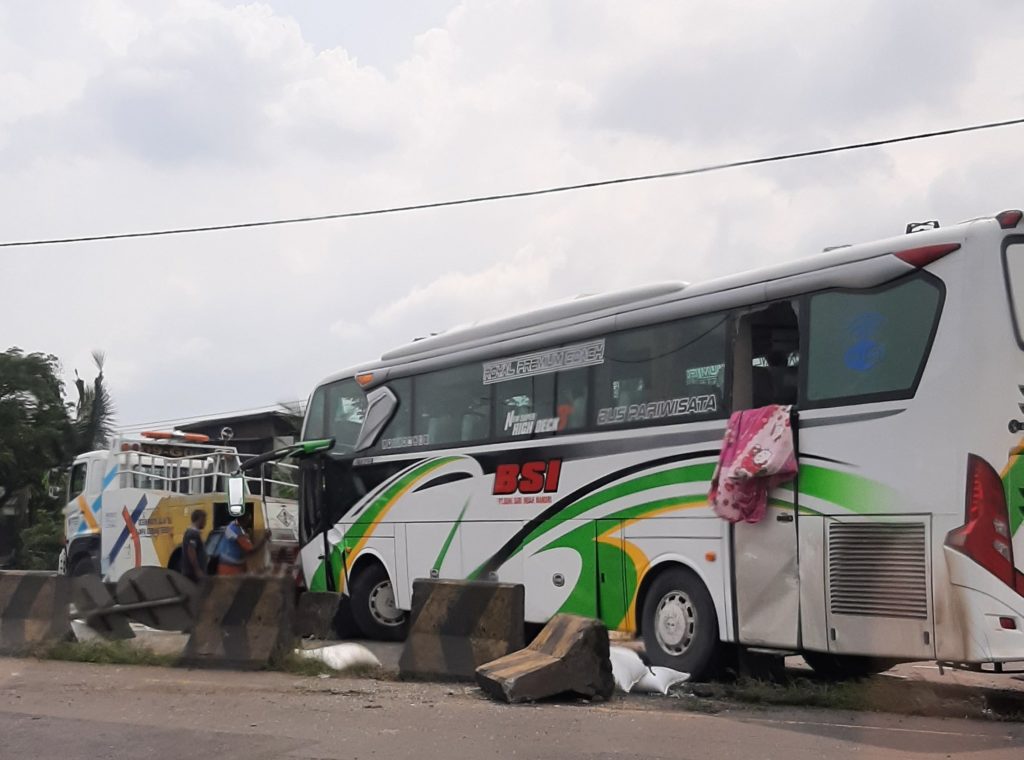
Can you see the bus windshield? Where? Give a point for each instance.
(336, 410)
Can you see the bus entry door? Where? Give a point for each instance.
(767, 590)
(767, 575)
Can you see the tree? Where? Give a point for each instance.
(36, 434)
(94, 415)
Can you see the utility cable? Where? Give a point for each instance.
(521, 194)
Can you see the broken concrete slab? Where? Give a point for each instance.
(571, 655)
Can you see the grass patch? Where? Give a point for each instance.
(302, 666)
(879, 694)
(102, 652)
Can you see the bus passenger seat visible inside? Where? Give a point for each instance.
(763, 387)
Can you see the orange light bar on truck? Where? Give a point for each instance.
(156, 435)
(364, 378)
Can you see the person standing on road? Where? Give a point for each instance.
(236, 546)
(193, 552)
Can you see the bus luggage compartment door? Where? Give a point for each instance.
(767, 576)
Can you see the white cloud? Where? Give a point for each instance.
(518, 284)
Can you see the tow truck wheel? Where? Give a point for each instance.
(84, 565)
(373, 605)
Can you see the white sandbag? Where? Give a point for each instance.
(658, 680)
(342, 656)
(627, 667)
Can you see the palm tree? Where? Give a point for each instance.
(94, 417)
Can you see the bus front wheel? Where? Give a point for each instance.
(373, 605)
(679, 623)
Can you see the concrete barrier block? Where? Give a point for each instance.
(458, 625)
(243, 623)
(34, 609)
(315, 614)
(570, 655)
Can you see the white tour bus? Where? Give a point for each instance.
(570, 449)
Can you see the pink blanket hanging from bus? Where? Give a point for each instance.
(757, 455)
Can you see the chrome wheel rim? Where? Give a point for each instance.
(675, 623)
(382, 605)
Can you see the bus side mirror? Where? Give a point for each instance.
(381, 404)
(236, 495)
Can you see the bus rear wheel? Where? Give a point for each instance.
(679, 623)
(845, 667)
(373, 605)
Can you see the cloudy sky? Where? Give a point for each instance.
(119, 115)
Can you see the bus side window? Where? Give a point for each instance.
(452, 406)
(571, 399)
(768, 343)
(871, 344)
(662, 374)
(514, 402)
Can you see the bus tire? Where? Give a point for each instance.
(373, 605)
(845, 667)
(680, 624)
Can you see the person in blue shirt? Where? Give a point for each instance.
(236, 546)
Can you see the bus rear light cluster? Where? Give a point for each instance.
(1009, 219)
(985, 534)
(924, 255)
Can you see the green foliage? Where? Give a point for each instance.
(103, 653)
(35, 430)
(41, 541)
(94, 415)
(38, 437)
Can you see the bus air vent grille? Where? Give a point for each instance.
(878, 569)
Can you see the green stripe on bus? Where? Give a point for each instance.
(448, 541)
(365, 524)
(851, 492)
(691, 474)
(613, 605)
(369, 517)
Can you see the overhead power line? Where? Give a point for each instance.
(523, 193)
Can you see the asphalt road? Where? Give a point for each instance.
(68, 711)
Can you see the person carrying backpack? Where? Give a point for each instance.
(236, 546)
